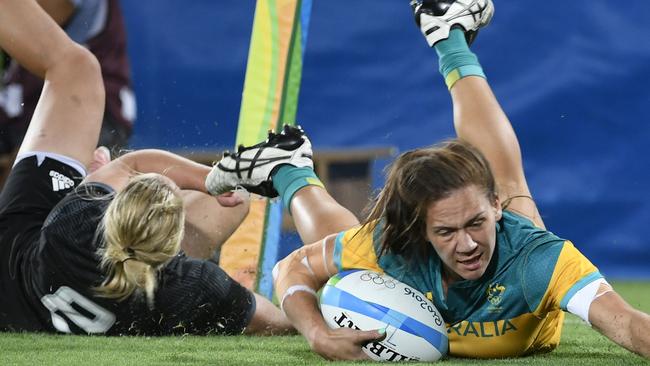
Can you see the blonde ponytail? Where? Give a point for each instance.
(142, 230)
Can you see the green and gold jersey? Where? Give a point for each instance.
(515, 308)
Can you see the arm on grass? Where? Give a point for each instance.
(268, 319)
(617, 320)
(306, 269)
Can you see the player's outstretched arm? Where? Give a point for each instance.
(297, 278)
(268, 319)
(617, 320)
(187, 174)
(208, 222)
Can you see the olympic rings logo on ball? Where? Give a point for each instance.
(377, 279)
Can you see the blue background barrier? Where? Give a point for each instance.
(574, 78)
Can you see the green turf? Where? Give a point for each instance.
(580, 346)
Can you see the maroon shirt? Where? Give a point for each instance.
(98, 25)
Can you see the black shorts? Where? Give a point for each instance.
(35, 185)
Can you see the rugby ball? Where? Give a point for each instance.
(367, 300)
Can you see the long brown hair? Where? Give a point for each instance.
(416, 179)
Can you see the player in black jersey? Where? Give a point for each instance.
(101, 253)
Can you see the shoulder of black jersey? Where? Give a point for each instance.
(94, 190)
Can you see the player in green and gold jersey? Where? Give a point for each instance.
(456, 221)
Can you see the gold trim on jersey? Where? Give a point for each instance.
(518, 336)
(358, 251)
(571, 267)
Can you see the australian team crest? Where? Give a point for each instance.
(495, 295)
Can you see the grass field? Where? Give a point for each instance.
(580, 346)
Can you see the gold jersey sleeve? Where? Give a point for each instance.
(572, 272)
(354, 249)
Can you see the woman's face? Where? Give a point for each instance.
(461, 228)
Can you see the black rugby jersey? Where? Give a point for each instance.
(193, 296)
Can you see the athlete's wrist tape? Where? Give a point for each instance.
(296, 288)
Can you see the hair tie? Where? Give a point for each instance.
(126, 259)
(130, 254)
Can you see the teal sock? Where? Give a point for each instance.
(455, 58)
(288, 180)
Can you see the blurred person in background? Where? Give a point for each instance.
(98, 25)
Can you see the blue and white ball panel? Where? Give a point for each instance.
(367, 300)
(397, 346)
(340, 299)
(390, 293)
